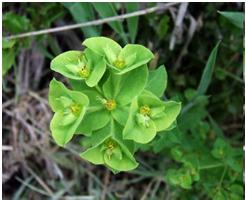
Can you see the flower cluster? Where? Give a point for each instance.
(113, 103)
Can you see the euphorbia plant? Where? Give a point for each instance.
(114, 102)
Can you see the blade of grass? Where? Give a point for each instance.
(208, 71)
(21, 189)
(132, 23)
(83, 12)
(236, 18)
(108, 10)
(40, 191)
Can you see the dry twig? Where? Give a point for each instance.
(95, 22)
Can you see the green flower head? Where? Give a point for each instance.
(121, 60)
(149, 115)
(115, 103)
(110, 150)
(78, 65)
(113, 100)
(69, 107)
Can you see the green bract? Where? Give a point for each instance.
(69, 107)
(113, 103)
(148, 115)
(121, 60)
(78, 65)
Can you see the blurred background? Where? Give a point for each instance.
(182, 36)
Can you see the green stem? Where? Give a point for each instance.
(222, 177)
(98, 89)
(210, 166)
(231, 75)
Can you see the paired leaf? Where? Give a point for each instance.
(148, 115)
(99, 44)
(120, 60)
(79, 65)
(109, 151)
(63, 102)
(123, 88)
(157, 81)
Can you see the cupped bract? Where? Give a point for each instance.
(113, 99)
(148, 115)
(120, 60)
(108, 148)
(69, 107)
(80, 65)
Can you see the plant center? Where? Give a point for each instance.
(75, 109)
(110, 104)
(145, 110)
(110, 145)
(84, 72)
(119, 63)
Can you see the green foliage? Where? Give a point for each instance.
(199, 156)
(109, 10)
(112, 104)
(8, 55)
(132, 23)
(236, 18)
(208, 71)
(83, 12)
(15, 23)
(157, 81)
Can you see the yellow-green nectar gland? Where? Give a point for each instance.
(119, 63)
(110, 104)
(110, 145)
(75, 109)
(84, 72)
(145, 110)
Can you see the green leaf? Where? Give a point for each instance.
(142, 56)
(89, 123)
(71, 63)
(123, 164)
(58, 89)
(163, 26)
(64, 123)
(108, 10)
(134, 131)
(96, 110)
(83, 12)
(236, 18)
(208, 71)
(157, 81)
(167, 139)
(6, 44)
(117, 157)
(93, 155)
(15, 23)
(123, 88)
(221, 149)
(98, 67)
(8, 60)
(63, 134)
(58, 64)
(98, 136)
(172, 110)
(100, 44)
(132, 22)
(120, 114)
